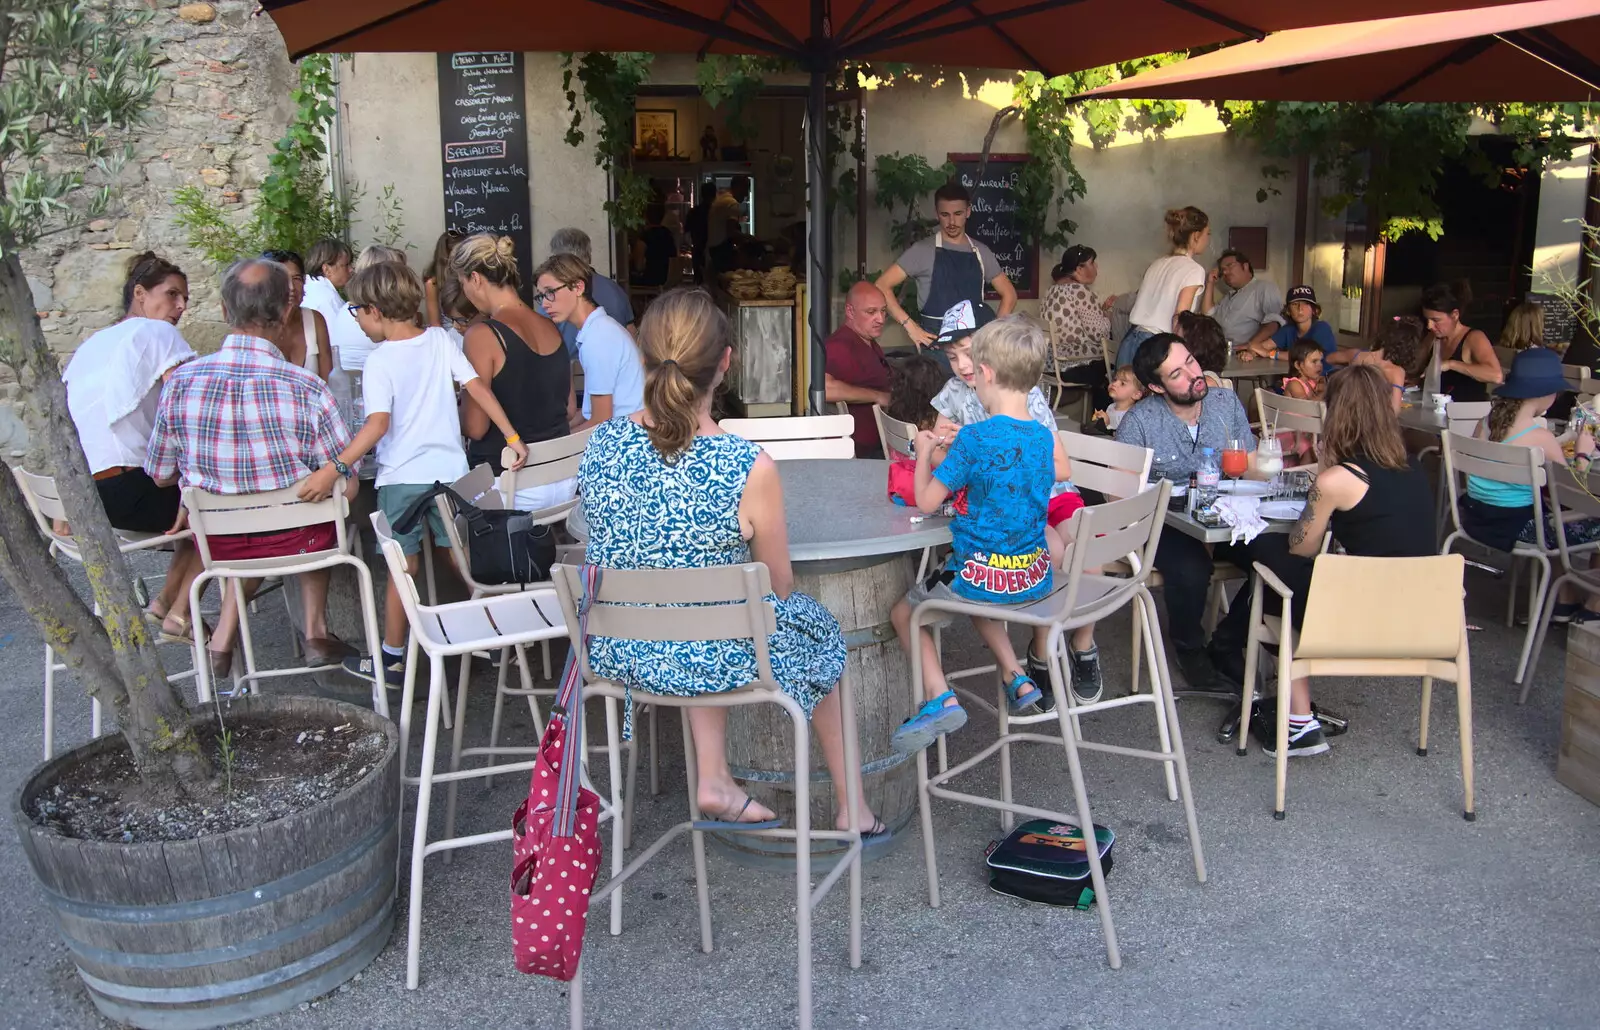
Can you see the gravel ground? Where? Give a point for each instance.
(1373, 904)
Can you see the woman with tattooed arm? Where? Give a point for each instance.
(1375, 500)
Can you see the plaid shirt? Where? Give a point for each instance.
(243, 421)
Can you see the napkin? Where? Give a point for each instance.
(1243, 516)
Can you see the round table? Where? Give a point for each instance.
(856, 552)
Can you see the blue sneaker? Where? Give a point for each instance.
(932, 721)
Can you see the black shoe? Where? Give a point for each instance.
(394, 669)
(1198, 672)
(1229, 664)
(1039, 672)
(1304, 741)
(1087, 684)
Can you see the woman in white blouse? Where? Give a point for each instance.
(1171, 284)
(113, 390)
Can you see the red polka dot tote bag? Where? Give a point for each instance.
(555, 833)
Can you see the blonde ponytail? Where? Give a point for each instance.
(682, 338)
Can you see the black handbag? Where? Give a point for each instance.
(504, 546)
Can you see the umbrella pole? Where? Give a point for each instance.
(819, 228)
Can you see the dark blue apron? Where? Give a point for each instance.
(958, 275)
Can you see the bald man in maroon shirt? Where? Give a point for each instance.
(856, 371)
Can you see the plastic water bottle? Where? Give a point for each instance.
(1206, 479)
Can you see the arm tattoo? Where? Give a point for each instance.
(1308, 518)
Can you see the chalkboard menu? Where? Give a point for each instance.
(1560, 321)
(994, 217)
(484, 127)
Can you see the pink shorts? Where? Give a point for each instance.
(1062, 506)
(306, 539)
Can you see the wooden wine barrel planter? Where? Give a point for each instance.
(860, 594)
(206, 932)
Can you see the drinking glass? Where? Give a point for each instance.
(1235, 459)
(1269, 461)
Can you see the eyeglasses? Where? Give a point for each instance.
(354, 309)
(545, 296)
(459, 324)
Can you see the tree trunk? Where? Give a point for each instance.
(115, 652)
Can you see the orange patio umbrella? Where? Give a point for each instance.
(1051, 36)
(1546, 51)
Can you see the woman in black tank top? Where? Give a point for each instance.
(515, 349)
(1370, 493)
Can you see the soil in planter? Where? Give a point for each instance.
(279, 767)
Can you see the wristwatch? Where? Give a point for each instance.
(344, 470)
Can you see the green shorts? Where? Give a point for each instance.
(394, 499)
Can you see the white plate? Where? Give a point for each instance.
(1283, 511)
(1245, 487)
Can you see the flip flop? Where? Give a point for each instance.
(876, 837)
(736, 823)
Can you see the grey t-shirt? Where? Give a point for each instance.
(917, 263)
(1243, 312)
(1176, 450)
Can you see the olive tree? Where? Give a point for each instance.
(75, 78)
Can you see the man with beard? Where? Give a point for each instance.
(1178, 421)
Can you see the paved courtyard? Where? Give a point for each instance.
(1373, 905)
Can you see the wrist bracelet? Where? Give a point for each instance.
(514, 438)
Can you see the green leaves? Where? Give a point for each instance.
(77, 79)
(907, 180)
(610, 84)
(1388, 156)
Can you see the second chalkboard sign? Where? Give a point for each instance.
(994, 217)
(484, 127)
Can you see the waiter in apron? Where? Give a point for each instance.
(948, 268)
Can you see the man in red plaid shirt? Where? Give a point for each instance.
(242, 421)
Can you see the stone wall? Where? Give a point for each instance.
(223, 103)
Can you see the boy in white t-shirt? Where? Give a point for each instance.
(411, 419)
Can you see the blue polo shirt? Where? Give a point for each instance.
(607, 295)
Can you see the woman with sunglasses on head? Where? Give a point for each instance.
(613, 372)
(519, 353)
(304, 340)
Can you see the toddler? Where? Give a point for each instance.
(1306, 384)
(1126, 391)
(913, 383)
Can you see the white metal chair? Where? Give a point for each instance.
(807, 436)
(1461, 417)
(44, 501)
(1120, 470)
(451, 630)
(1280, 413)
(896, 436)
(672, 605)
(1127, 529)
(1576, 376)
(1368, 617)
(273, 511)
(1570, 500)
(1507, 463)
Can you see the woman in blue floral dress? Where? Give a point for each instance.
(666, 488)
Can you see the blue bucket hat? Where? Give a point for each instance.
(1535, 372)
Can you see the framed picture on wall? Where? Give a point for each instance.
(655, 134)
